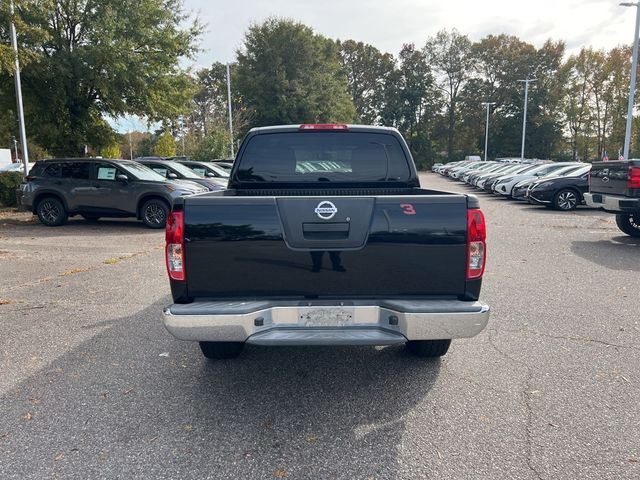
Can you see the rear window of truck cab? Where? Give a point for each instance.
(323, 157)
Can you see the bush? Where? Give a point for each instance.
(9, 182)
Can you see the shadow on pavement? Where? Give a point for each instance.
(617, 253)
(77, 226)
(132, 402)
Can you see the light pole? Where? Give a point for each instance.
(486, 131)
(130, 146)
(524, 119)
(16, 76)
(632, 87)
(230, 113)
(182, 133)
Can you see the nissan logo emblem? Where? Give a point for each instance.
(326, 210)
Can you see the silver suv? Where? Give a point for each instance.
(56, 189)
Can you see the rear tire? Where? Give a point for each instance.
(51, 212)
(154, 213)
(629, 223)
(428, 348)
(221, 350)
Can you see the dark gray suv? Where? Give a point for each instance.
(56, 189)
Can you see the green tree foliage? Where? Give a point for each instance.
(289, 74)
(450, 54)
(214, 145)
(210, 110)
(9, 182)
(412, 102)
(93, 59)
(368, 71)
(500, 61)
(111, 151)
(165, 145)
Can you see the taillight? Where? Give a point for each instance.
(29, 178)
(175, 246)
(476, 244)
(324, 126)
(634, 177)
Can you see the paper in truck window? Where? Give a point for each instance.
(106, 173)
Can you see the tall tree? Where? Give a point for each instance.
(579, 71)
(102, 58)
(367, 71)
(210, 111)
(289, 74)
(451, 57)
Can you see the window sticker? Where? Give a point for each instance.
(106, 173)
(161, 171)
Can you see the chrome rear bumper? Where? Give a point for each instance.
(320, 323)
(612, 203)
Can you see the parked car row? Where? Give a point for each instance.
(559, 185)
(59, 188)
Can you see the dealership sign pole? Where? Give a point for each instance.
(23, 135)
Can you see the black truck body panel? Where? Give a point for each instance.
(611, 178)
(385, 239)
(257, 247)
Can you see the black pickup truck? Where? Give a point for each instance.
(325, 237)
(615, 188)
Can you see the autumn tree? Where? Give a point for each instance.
(450, 55)
(368, 71)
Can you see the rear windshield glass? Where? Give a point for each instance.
(323, 157)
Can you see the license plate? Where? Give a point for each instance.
(326, 317)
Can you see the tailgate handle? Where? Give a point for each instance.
(325, 230)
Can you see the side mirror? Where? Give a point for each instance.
(172, 176)
(122, 178)
(210, 174)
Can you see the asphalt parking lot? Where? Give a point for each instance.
(92, 386)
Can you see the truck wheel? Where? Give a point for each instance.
(221, 350)
(629, 223)
(428, 348)
(566, 200)
(51, 212)
(154, 213)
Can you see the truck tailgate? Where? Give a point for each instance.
(326, 247)
(609, 178)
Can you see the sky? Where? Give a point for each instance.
(388, 24)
